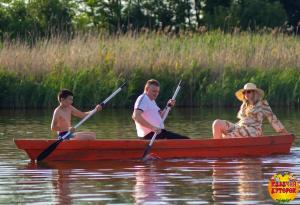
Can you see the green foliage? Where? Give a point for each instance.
(4, 19)
(43, 18)
(292, 9)
(54, 17)
(260, 13)
(21, 23)
(33, 19)
(246, 14)
(201, 87)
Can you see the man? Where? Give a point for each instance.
(61, 121)
(148, 116)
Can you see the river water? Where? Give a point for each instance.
(188, 181)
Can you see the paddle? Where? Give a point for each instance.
(53, 146)
(148, 148)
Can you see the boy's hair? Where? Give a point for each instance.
(152, 82)
(63, 94)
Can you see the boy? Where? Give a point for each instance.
(61, 121)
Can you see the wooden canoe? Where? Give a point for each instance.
(164, 149)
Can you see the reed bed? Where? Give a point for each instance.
(212, 64)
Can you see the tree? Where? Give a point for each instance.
(40, 18)
(292, 8)
(158, 14)
(181, 10)
(198, 9)
(141, 14)
(210, 5)
(100, 14)
(4, 21)
(20, 21)
(215, 13)
(246, 14)
(255, 14)
(54, 16)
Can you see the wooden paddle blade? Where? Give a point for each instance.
(49, 150)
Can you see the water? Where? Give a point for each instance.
(189, 181)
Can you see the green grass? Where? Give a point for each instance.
(201, 88)
(213, 66)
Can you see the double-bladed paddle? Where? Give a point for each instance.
(148, 148)
(53, 146)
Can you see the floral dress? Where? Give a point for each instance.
(250, 124)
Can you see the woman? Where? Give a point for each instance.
(252, 112)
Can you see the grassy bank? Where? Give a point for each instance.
(213, 65)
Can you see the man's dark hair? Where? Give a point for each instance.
(63, 94)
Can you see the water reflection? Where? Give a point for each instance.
(190, 181)
(62, 186)
(148, 185)
(244, 179)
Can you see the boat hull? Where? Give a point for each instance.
(133, 149)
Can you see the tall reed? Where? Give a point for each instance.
(213, 65)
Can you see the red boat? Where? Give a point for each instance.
(134, 148)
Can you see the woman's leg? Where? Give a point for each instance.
(219, 127)
(84, 136)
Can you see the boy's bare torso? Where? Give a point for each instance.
(63, 118)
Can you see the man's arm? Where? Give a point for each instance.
(170, 103)
(162, 112)
(137, 116)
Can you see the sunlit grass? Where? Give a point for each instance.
(212, 64)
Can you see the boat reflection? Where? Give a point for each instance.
(238, 181)
(213, 181)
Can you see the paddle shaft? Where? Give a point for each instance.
(163, 119)
(53, 146)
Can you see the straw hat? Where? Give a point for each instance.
(249, 86)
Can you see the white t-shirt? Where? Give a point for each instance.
(150, 112)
